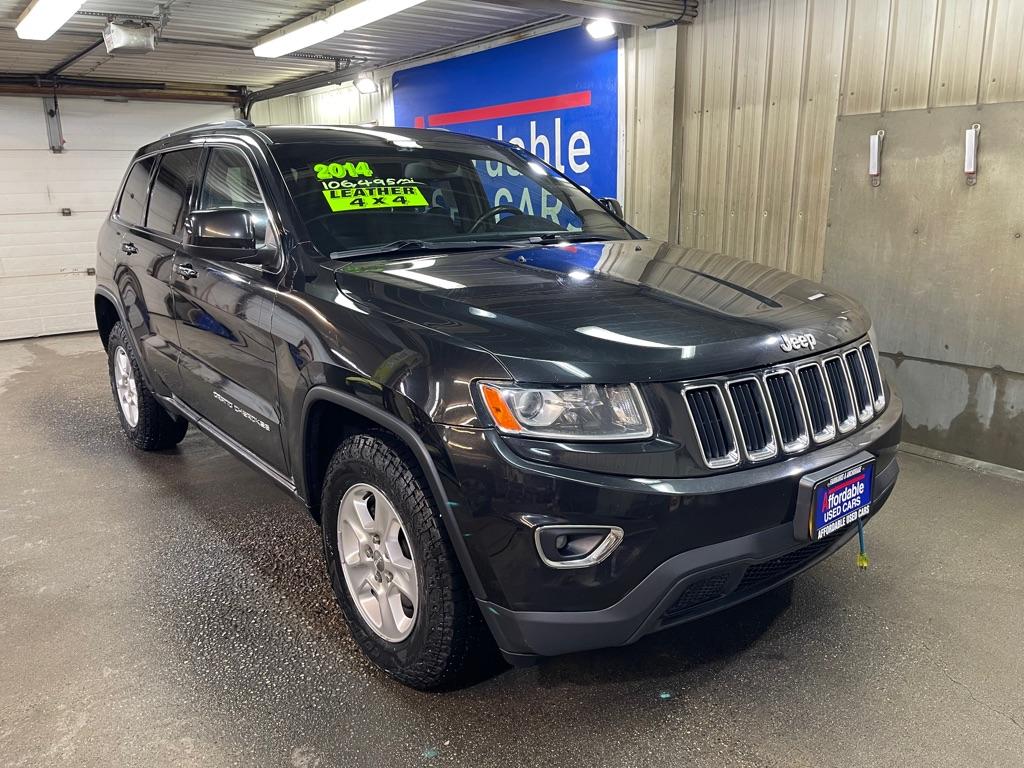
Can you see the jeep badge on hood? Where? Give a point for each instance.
(793, 341)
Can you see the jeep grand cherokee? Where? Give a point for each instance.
(514, 416)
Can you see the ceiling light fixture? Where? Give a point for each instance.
(600, 29)
(44, 17)
(366, 84)
(337, 19)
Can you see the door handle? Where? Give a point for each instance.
(129, 249)
(185, 271)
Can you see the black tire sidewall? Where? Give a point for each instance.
(409, 653)
(156, 429)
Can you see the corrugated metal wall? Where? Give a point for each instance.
(760, 84)
(335, 105)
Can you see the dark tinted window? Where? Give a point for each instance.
(355, 197)
(169, 196)
(132, 207)
(229, 183)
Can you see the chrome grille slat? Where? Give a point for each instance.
(754, 417)
(820, 410)
(861, 388)
(755, 425)
(713, 426)
(874, 374)
(841, 388)
(787, 409)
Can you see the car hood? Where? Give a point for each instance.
(636, 310)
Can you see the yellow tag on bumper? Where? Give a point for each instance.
(368, 198)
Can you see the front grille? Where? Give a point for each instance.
(785, 408)
(775, 569)
(755, 577)
(713, 425)
(699, 592)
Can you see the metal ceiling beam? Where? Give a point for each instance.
(44, 85)
(307, 83)
(103, 91)
(640, 13)
(73, 58)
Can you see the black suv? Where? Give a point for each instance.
(513, 415)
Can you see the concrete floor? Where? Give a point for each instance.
(173, 609)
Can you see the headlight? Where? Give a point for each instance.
(583, 412)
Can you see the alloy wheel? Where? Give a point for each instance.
(377, 562)
(127, 389)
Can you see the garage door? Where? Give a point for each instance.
(51, 205)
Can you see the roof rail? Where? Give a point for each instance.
(218, 124)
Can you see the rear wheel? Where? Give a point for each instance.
(393, 570)
(145, 422)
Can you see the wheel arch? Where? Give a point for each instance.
(104, 302)
(107, 314)
(360, 416)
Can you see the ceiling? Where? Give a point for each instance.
(207, 43)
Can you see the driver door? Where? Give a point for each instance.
(223, 311)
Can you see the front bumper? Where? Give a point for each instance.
(692, 546)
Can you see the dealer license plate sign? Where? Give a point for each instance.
(841, 499)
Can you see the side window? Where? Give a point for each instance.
(132, 206)
(229, 183)
(169, 196)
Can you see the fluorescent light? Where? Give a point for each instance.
(44, 17)
(295, 39)
(366, 84)
(337, 19)
(599, 29)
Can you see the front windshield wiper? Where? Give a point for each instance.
(413, 246)
(569, 237)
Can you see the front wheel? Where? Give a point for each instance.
(393, 570)
(145, 422)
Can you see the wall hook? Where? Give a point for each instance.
(971, 136)
(875, 157)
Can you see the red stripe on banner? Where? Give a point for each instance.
(512, 109)
(419, 123)
(840, 487)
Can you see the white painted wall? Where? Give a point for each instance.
(44, 288)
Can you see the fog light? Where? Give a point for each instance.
(576, 546)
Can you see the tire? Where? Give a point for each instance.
(447, 644)
(145, 422)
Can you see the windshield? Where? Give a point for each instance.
(354, 198)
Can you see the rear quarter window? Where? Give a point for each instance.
(132, 206)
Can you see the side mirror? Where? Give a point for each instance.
(225, 234)
(613, 206)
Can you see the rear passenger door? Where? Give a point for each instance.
(223, 312)
(148, 225)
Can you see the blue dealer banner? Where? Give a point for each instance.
(555, 95)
